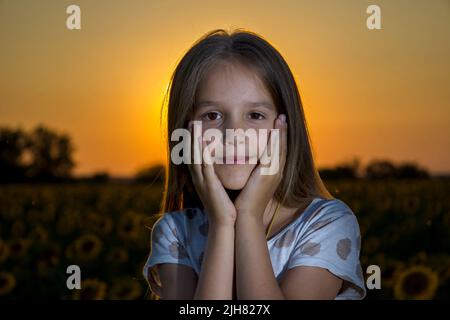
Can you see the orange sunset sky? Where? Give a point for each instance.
(366, 93)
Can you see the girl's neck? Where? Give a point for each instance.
(233, 194)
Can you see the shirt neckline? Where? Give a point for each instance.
(289, 225)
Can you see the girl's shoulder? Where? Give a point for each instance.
(185, 214)
(180, 219)
(329, 215)
(323, 208)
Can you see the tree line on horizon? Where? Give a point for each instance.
(44, 155)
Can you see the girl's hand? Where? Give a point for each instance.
(217, 203)
(259, 188)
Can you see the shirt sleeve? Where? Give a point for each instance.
(332, 241)
(167, 244)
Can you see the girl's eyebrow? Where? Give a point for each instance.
(250, 104)
(264, 104)
(207, 103)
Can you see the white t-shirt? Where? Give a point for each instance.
(325, 235)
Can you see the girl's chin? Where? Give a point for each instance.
(233, 185)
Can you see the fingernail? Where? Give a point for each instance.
(283, 117)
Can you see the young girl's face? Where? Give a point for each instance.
(231, 96)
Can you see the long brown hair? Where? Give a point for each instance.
(301, 179)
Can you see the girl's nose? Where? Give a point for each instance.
(238, 129)
(233, 122)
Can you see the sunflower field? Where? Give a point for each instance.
(105, 229)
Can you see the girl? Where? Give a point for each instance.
(227, 231)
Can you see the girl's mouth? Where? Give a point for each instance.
(236, 160)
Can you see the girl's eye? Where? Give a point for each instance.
(212, 116)
(256, 116)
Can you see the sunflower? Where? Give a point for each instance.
(385, 204)
(33, 215)
(40, 234)
(4, 251)
(391, 271)
(129, 226)
(47, 260)
(68, 222)
(433, 209)
(48, 215)
(118, 255)
(13, 210)
(19, 247)
(417, 282)
(18, 229)
(355, 205)
(411, 204)
(371, 245)
(420, 258)
(87, 247)
(99, 224)
(70, 252)
(125, 289)
(7, 283)
(91, 289)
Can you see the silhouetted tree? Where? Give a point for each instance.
(348, 170)
(12, 147)
(384, 169)
(42, 155)
(380, 169)
(410, 170)
(99, 177)
(51, 155)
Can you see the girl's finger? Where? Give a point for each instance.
(189, 164)
(264, 156)
(208, 169)
(283, 149)
(195, 149)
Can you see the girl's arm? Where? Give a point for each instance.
(216, 275)
(254, 272)
(255, 276)
(178, 282)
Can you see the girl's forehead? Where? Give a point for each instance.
(225, 83)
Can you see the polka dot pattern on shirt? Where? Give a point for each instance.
(343, 248)
(319, 224)
(310, 248)
(203, 229)
(285, 240)
(190, 213)
(177, 251)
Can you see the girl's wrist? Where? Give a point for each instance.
(222, 224)
(250, 214)
(249, 218)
